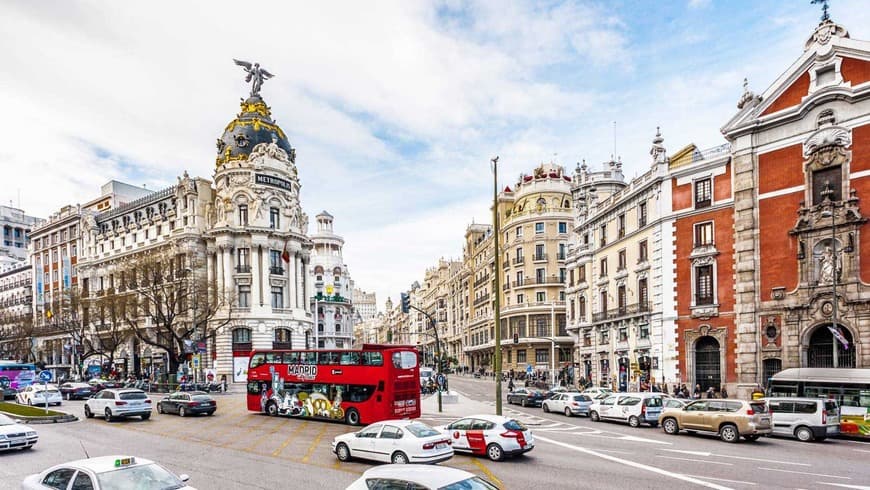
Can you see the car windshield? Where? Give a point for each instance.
(514, 425)
(476, 483)
(421, 430)
(133, 395)
(4, 420)
(145, 477)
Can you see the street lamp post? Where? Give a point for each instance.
(553, 344)
(496, 290)
(835, 263)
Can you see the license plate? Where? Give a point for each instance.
(440, 445)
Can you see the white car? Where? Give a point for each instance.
(36, 394)
(119, 402)
(492, 435)
(15, 435)
(634, 408)
(394, 441)
(423, 477)
(597, 393)
(107, 473)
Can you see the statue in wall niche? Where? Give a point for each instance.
(258, 208)
(209, 215)
(89, 224)
(830, 266)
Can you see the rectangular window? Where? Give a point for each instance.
(643, 294)
(621, 298)
(539, 252)
(520, 299)
(542, 356)
(274, 258)
(521, 357)
(643, 252)
(603, 234)
(826, 183)
(539, 228)
(581, 308)
(243, 214)
(274, 218)
(243, 257)
(621, 257)
(540, 275)
(620, 226)
(581, 273)
(519, 281)
(244, 296)
(704, 285)
(703, 193)
(561, 255)
(603, 263)
(562, 275)
(704, 234)
(540, 297)
(641, 215)
(563, 227)
(277, 297)
(603, 298)
(519, 231)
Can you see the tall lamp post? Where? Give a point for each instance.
(832, 211)
(406, 308)
(496, 289)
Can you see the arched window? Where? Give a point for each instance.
(283, 339)
(242, 340)
(821, 353)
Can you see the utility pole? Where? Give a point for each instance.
(496, 290)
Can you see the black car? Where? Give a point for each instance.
(76, 391)
(188, 403)
(102, 384)
(525, 397)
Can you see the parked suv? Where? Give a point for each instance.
(731, 419)
(568, 403)
(634, 408)
(807, 419)
(115, 402)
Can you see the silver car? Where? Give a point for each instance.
(571, 403)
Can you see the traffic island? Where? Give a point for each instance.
(35, 415)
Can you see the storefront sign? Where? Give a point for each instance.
(273, 181)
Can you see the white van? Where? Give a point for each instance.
(634, 408)
(806, 419)
(425, 374)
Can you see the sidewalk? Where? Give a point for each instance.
(467, 406)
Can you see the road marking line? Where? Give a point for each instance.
(258, 443)
(861, 450)
(804, 473)
(314, 444)
(693, 453)
(249, 429)
(859, 487)
(708, 454)
(292, 436)
(634, 464)
(614, 451)
(723, 479)
(697, 460)
(642, 439)
(486, 471)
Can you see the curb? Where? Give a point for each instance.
(51, 419)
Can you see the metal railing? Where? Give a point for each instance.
(623, 311)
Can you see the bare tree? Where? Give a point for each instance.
(16, 332)
(167, 302)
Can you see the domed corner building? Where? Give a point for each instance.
(257, 247)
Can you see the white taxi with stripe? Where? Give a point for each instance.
(492, 435)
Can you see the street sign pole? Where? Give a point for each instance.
(45, 377)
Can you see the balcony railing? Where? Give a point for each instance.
(539, 257)
(243, 269)
(276, 270)
(482, 280)
(506, 264)
(481, 300)
(623, 311)
(519, 260)
(537, 280)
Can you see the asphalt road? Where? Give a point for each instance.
(237, 449)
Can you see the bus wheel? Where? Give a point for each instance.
(271, 409)
(351, 417)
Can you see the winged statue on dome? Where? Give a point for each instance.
(256, 75)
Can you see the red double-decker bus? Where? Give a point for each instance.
(376, 382)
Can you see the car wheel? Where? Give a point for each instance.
(751, 438)
(803, 434)
(210, 412)
(146, 416)
(183, 413)
(342, 452)
(495, 452)
(271, 409)
(160, 408)
(108, 415)
(545, 408)
(594, 416)
(88, 413)
(399, 458)
(567, 412)
(634, 421)
(729, 433)
(351, 417)
(670, 426)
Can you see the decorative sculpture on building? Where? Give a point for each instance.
(829, 265)
(256, 75)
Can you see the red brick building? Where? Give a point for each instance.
(800, 158)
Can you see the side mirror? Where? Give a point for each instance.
(184, 478)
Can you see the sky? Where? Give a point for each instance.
(395, 108)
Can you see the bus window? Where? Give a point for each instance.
(359, 393)
(404, 360)
(328, 358)
(307, 358)
(258, 360)
(783, 390)
(273, 357)
(291, 358)
(349, 358)
(372, 359)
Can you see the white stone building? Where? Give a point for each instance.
(333, 288)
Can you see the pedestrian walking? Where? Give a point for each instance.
(511, 385)
(723, 392)
(711, 392)
(697, 393)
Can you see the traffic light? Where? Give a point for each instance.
(516, 338)
(406, 303)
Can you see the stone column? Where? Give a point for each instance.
(227, 265)
(256, 275)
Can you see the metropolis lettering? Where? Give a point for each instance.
(273, 181)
